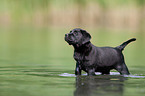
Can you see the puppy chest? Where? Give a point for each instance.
(84, 61)
(81, 57)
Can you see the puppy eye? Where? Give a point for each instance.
(76, 33)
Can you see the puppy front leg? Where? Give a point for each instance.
(78, 69)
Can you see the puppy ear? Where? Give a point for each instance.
(86, 36)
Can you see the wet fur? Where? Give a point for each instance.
(91, 59)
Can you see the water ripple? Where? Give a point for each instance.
(97, 73)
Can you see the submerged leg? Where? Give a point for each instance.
(77, 70)
(91, 72)
(122, 69)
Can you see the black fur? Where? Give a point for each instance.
(91, 59)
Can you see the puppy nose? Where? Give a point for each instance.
(66, 34)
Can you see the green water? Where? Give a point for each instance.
(38, 62)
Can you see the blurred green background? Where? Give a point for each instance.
(32, 31)
(32, 39)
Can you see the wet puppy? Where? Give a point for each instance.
(91, 59)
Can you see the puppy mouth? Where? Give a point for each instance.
(70, 42)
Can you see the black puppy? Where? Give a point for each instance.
(91, 59)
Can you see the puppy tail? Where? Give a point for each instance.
(122, 46)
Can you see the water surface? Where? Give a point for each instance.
(38, 62)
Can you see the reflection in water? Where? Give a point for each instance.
(104, 85)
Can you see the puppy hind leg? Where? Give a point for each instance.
(122, 69)
(125, 70)
(91, 72)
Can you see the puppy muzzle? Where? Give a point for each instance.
(69, 40)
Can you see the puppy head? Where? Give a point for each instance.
(77, 37)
